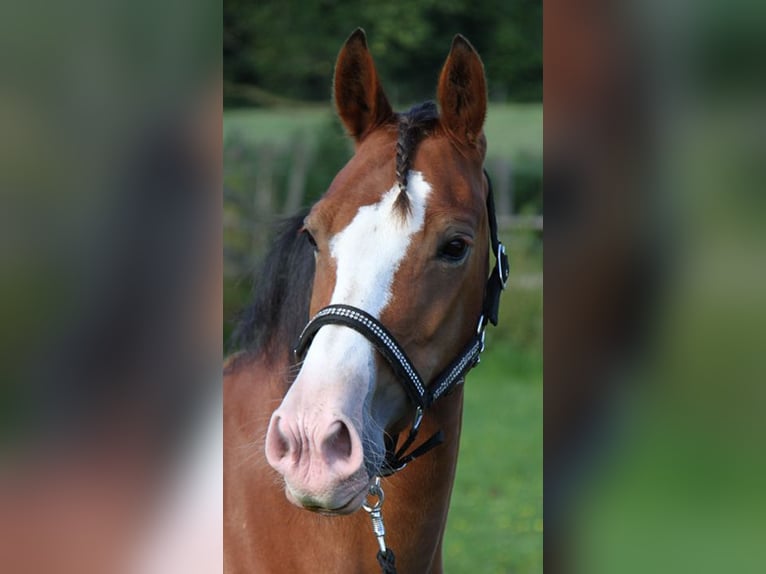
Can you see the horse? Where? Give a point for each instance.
(369, 310)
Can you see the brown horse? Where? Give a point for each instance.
(392, 263)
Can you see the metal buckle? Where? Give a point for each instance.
(418, 419)
(482, 324)
(394, 470)
(481, 329)
(503, 271)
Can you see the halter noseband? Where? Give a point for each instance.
(422, 395)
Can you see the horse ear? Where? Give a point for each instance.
(359, 98)
(462, 92)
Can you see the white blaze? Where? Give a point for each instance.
(367, 253)
(338, 374)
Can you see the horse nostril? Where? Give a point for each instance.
(337, 446)
(277, 444)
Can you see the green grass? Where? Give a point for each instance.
(495, 522)
(513, 130)
(277, 125)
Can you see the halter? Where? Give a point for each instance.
(421, 394)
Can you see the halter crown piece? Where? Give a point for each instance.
(421, 394)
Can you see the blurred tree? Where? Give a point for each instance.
(287, 48)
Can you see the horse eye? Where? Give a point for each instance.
(310, 239)
(454, 250)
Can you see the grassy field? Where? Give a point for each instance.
(275, 125)
(495, 522)
(513, 130)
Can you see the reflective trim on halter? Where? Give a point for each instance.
(368, 326)
(421, 394)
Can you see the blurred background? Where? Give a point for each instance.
(655, 267)
(283, 146)
(110, 306)
(110, 297)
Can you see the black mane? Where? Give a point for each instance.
(281, 293)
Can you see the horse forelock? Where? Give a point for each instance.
(412, 126)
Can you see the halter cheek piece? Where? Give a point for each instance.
(422, 395)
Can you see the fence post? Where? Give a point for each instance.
(296, 183)
(264, 194)
(502, 185)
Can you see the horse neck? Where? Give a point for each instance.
(417, 498)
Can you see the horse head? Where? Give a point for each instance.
(402, 234)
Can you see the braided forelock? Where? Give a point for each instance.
(413, 126)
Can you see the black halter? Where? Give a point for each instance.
(421, 394)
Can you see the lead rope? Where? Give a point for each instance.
(385, 555)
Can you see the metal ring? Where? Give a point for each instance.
(375, 491)
(482, 324)
(500, 271)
